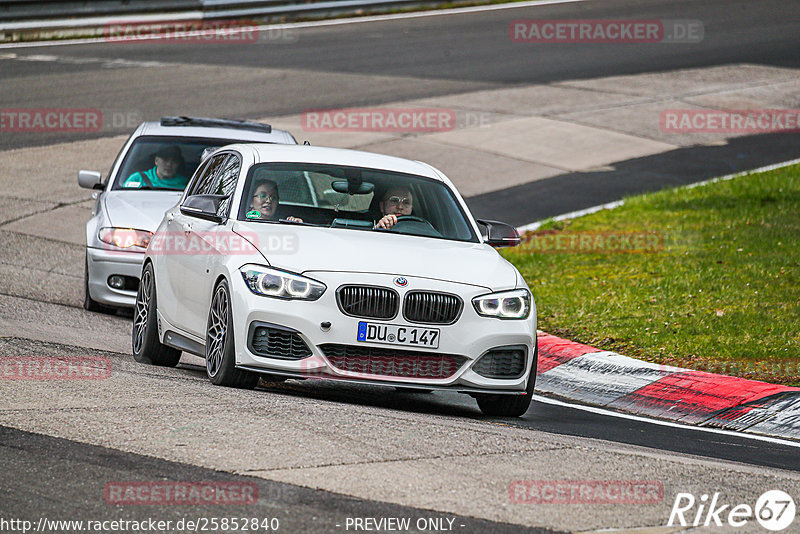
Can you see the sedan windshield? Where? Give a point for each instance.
(163, 162)
(337, 196)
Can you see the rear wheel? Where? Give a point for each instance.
(145, 343)
(510, 405)
(220, 351)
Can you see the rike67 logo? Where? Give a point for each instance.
(774, 510)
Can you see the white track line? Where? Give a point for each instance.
(571, 215)
(611, 205)
(620, 415)
(102, 21)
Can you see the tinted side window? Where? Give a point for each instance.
(227, 177)
(208, 180)
(218, 177)
(198, 178)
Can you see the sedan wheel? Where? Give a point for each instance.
(145, 343)
(220, 349)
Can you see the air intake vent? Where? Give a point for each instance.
(392, 362)
(506, 362)
(431, 308)
(368, 302)
(275, 342)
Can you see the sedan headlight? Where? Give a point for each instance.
(514, 304)
(125, 237)
(280, 284)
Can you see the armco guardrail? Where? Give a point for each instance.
(17, 10)
(52, 14)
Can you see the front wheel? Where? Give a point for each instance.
(510, 405)
(220, 351)
(145, 343)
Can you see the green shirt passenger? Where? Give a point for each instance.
(165, 173)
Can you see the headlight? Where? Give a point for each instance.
(280, 284)
(125, 237)
(514, 304)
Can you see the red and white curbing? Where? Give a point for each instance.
(600, 378)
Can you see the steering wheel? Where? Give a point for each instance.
(411, 218)
(417, 225)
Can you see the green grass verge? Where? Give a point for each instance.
(720, 292)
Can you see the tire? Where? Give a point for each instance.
(220, 351)
(144, 336)
(89, 304)
(510, 405)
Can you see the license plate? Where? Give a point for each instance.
(393, 334)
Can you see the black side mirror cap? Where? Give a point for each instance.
(500, 234)
(204, 207)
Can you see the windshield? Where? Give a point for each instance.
(353, 198)
(163, 162)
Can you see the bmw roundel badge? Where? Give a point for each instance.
(400, 281)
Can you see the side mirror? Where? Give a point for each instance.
(500, 234)
(203, 206)
(90, 179)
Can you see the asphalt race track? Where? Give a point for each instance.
(320, 453)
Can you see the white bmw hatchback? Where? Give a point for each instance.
(276, 263)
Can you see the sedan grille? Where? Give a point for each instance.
(432, 308)
(368, 302)
(278, 343)
(392, 362)
(507, 362)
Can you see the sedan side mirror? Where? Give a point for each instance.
(500, 234)
(90, 179)
(203, 206)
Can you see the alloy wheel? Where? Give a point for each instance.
(217, 329)
(142, 310)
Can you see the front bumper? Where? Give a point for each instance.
(470, 337)
(103, 263)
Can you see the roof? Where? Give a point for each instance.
(339, 156)
(220, 132)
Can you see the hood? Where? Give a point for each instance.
(142, 210)
(304, 249)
